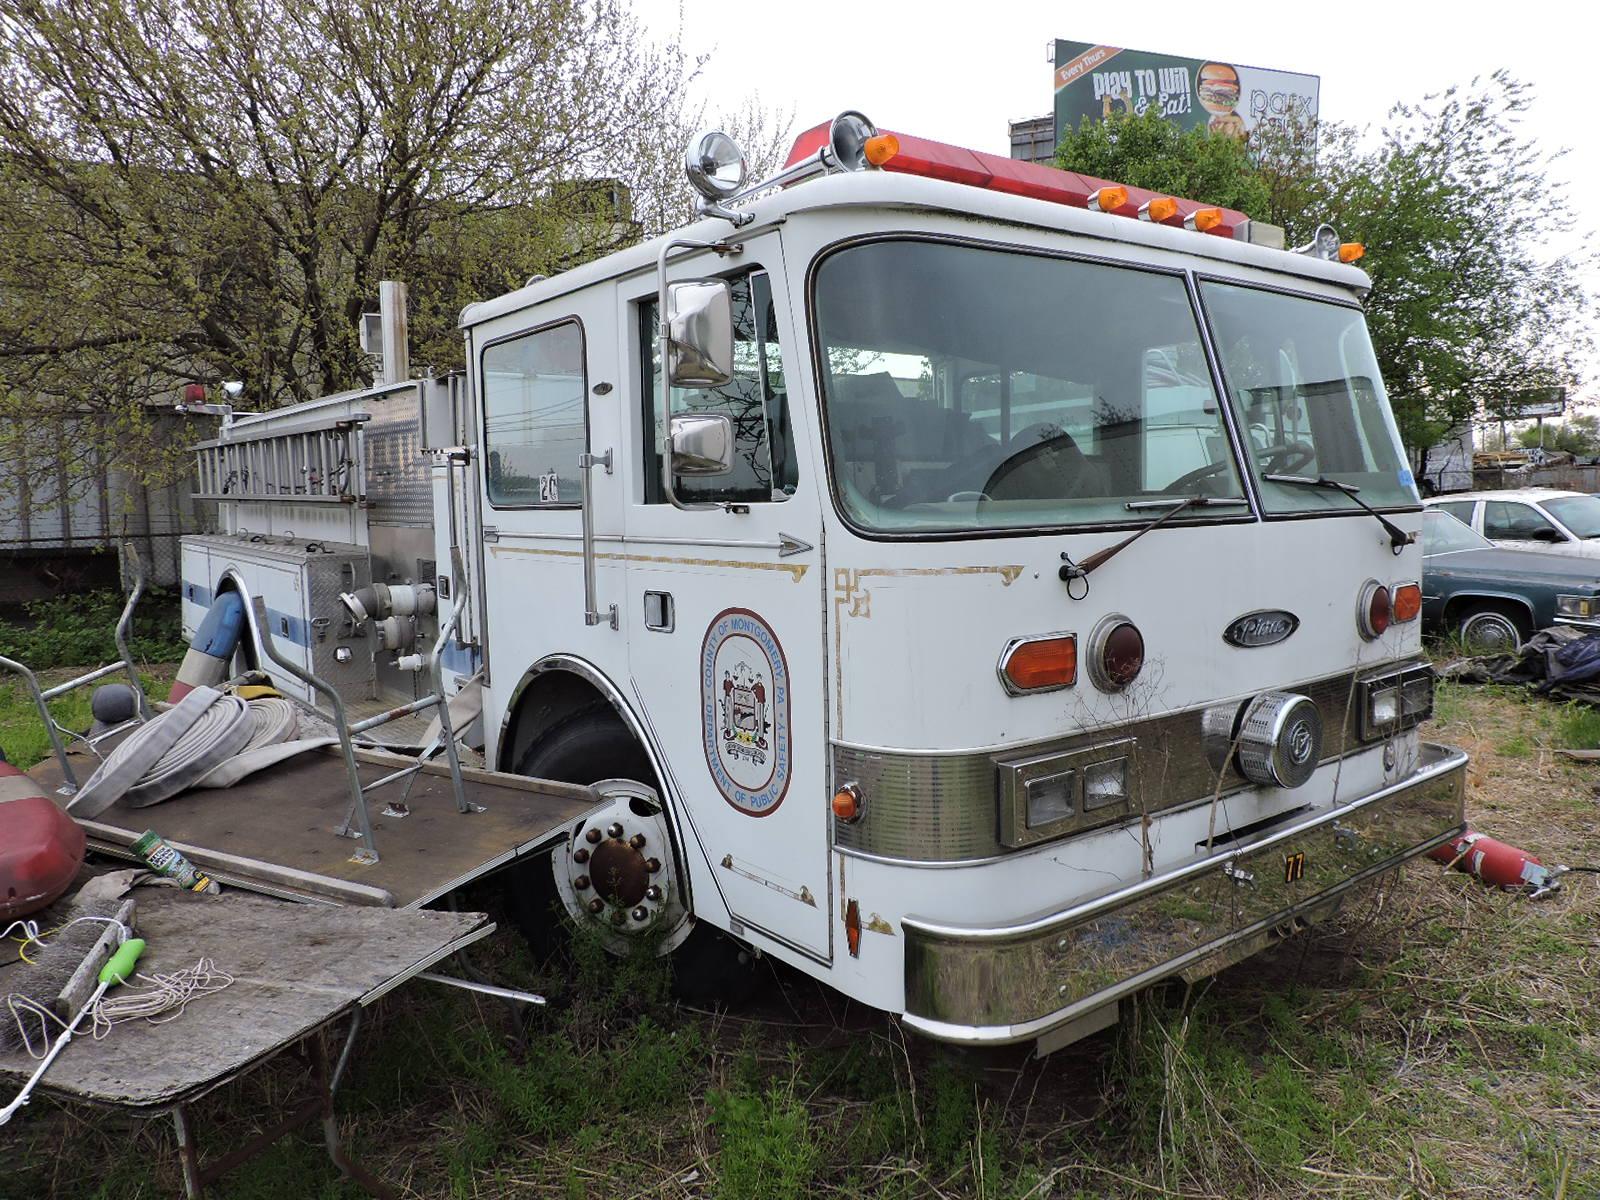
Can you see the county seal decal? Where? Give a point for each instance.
(744, 699)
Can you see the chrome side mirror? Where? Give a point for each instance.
(702, 443)
(700, 333)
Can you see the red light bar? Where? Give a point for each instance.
(954, 164)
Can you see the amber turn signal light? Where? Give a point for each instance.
(1406, 602)
(847, 803)
(1108, 199)
(1040, 664)
(881, 149)
(1162, 208)
(1349, 252)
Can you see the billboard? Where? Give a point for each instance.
(1095, 81)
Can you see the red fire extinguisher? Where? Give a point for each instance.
(1497, 864)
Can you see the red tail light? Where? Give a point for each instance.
(1116, 654)
(1375, 610)
(1407, 602)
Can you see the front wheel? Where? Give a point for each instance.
(1491, 629)
(616, 874)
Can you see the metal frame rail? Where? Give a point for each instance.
(42, 697)
(261, 634)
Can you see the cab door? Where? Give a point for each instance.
(724, 590)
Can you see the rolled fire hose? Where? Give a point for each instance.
(169, 754)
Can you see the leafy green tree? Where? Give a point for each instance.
(1576, 435)
(199, 190)
(1455, 205)
(1148, 151)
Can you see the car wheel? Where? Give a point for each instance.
(1491, 629)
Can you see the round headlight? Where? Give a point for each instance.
(847, 140)
(715, 165)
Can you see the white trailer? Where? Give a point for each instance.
(995, 589)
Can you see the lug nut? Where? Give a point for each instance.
(652, 865)
(637, 841)
(619, 917)
(614, 830)
(641, 913)
(581, 883)
(652, 892)
(597, 905)
(592, 836)
(581, 854)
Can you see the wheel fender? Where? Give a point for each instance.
(554, 671)
(1461, 600)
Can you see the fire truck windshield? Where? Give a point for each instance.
(968, 388)
(1307, 391)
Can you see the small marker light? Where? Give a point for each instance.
(1202, 220)
(847, 803)
(1349, 252)
(1162, 208)
(1407, 603)
(1108, 199)
(1039, 664)
(882, 148)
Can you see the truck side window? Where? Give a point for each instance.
(534, 419)
(756, 400)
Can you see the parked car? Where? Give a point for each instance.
(1555, 522)
(1495, 598)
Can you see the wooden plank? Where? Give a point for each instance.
(295, 968)
(287, 814)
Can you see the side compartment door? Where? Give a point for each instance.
(725, 599)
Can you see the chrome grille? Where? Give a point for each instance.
(942, 808)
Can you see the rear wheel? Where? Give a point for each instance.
(1490, 628)
(616, 873)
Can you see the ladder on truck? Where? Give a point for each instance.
(320, 463)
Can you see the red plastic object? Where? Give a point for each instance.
(1492, 862)
(41, 847)
(977, 168)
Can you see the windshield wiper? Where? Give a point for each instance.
(1398, 538)
(1071, 570)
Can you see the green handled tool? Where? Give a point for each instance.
(118, 969)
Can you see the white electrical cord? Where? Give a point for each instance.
(163, 1000)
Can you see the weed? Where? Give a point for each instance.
(1515, 746)
(768, 1151)
(78, 631)
(1578, 727)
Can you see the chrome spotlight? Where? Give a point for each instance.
(1324, 244)
(715, 165)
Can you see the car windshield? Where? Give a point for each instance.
(968, 388)
(1580, 514)
(1442, 534)
(1305, 385)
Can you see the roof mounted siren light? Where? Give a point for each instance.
(1325, 244)
(717, 169)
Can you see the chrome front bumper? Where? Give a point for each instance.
(1012, 983)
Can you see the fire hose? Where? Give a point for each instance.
(178, 749)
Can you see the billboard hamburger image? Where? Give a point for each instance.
(1093, 81)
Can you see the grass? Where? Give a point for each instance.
(1431, 1039)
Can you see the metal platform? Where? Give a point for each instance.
(274, 832)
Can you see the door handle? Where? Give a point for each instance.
(591, 614)
(659, 612)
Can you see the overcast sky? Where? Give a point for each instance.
(959, 73)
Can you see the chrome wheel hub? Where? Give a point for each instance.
(615, 873)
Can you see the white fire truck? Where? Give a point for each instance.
(985, 589)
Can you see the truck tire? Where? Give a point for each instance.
(1493, 627)
(708, 967)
